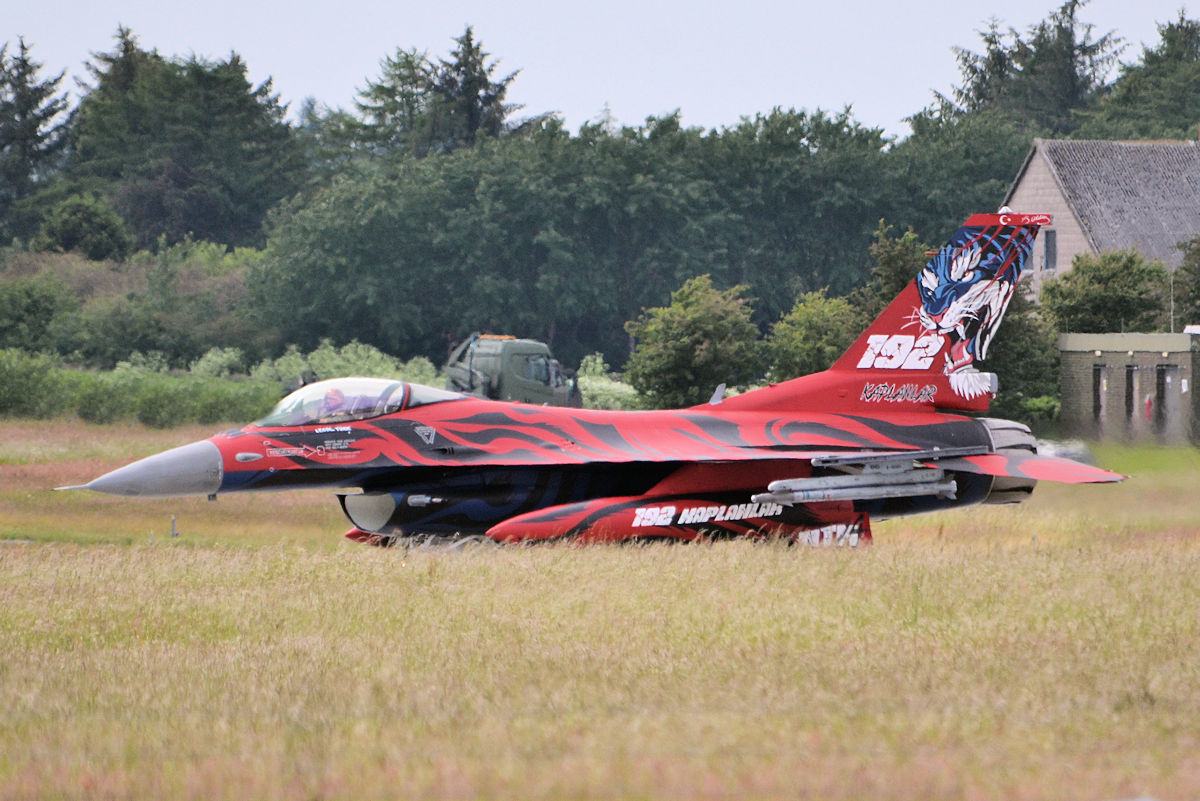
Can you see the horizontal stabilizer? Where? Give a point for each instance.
(1023, 464)
(874, 475)
(974, 459)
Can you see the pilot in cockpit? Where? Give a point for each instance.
(333, 405)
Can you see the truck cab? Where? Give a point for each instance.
(505, 368)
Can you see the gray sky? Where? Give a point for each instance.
(715, 60)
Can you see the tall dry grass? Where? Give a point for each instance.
(1043, 651)
(942, 670)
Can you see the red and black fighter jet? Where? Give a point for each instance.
(880, 434)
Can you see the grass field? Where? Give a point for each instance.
(1050, 650)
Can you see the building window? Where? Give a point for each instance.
(1166, 379)
(1130, 394)
(1099, 396)
(1049, 249)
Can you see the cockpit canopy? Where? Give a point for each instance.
(340, 400)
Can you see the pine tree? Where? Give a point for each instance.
(31, 135)
(1046, 76)
(419, 106)
(1157, 98)
(396, 107)
(471, 104)
(184, 147)
(111, 121)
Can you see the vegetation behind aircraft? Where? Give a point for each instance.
(394, 225)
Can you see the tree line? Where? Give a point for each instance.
(197, 216)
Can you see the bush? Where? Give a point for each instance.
(219, 363)
(593, 366)
(167, 401)
(605, 392)
(810, 337)
(294, 368)
(119, 326)
(600, 389)
(98, 400)
(248, 400)
(1112, 291)
(35, 386)
(211, 258)
(31, 310)
(352, 359)
(419, 370)
(208, 401)
(290, 369)
(1042, 409)
(87, 224)
(163, 402)
(704, 338)
(29, 384)
(223, 401)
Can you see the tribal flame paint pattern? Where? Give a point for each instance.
(812, 459)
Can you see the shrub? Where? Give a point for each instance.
(163, 402)
(34, 385)
(1042, 409)
(600, 389)
(30, 311)
(28, 383)
(811, 336)
(704, 338)
(219, 363)
(294, 368)
(1112, 291)
(593, 366)
(352, 359)
(247, 400)
(87, 224)
(224, 401)
(98, 399)
(290, 369)
(57, 393)
(209, 401)
(605, 392)
(419, 370)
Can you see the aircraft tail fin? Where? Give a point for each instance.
(944, 321)
(921, 351)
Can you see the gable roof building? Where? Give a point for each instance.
(1104, 196)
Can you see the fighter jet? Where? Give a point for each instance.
(894, 427)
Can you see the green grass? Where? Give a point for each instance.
(36, 456)
(1049, 650)
(1147, 461)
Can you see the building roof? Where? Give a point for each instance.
(1127, 343)
(1139, 195)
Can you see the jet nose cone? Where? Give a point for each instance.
(188, 470)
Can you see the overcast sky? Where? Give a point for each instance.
(716, 61)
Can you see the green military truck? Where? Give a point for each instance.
(510, 369)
